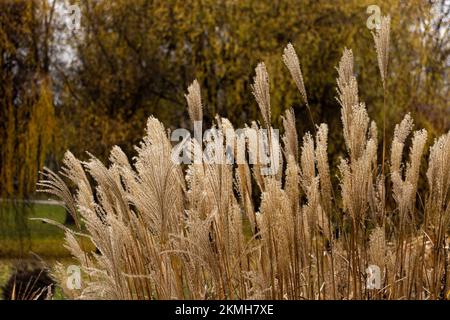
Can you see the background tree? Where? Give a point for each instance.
(26, 103)
(27, 116)
(136, 58)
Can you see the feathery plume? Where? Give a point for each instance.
(401, 132)
(347, 94)
(418, 145)
(194, 100)
(345, 68)
(323, 166)
(290, 138)
(290, 59)
(438, 173)
(307, 161)
(261, 92)
(381, 38)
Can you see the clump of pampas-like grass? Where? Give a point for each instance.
(170, 231)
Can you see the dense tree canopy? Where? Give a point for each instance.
(134, 58)
(137, 58)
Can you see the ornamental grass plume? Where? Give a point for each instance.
(194, 101)
(381, 38)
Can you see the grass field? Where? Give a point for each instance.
(21, 236)
(22, 239)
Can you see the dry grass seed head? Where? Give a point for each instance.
(261, 92)
(194, 101)
(381, 38)
(291, 61)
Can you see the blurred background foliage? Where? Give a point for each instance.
(90, 89)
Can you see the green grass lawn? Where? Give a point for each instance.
(20, 237)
